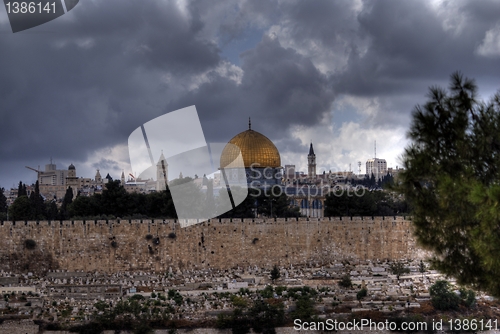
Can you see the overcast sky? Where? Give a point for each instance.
(341, 74)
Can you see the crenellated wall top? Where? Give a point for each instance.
(173, 222)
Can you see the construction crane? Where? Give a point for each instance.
(35, 170)
(131, 175)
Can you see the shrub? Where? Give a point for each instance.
(468, 297)
(238, 301)
(275, 273)
(172, 235)
(30, 244)
(442, 297)
(137, 297)
(398, 269)
(175, 296)
(114, 244)
(268, 292)
(149, 237)
(280, 289)
(361, 294)
(304, 308)
(223, 321)
(345, 282)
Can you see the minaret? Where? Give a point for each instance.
(72, 180)
(98, 178)
(123, 178)
(161, 173)
(311, 163)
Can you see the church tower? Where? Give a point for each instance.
(311, 163)
(161, 173)
(123, 178)
(72, 180)
(98, 178)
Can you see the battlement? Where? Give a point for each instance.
(156, 245)
(218, 220)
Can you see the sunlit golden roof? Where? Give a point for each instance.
(255, 149)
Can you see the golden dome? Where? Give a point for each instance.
(255, 149)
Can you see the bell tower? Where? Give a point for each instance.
(311, 163)
(161, 173)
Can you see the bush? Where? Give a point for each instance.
(172, 235)
(223, 321)
(442, 297)
(137, 297)
(175, 296)
(114, 244)
(30, 244)
(275, 273)
(345, 282)
(304, 308)
(361, 294)
(398, 269)
(268, 292)
(149, 237)
(280, 289)
(468, 297)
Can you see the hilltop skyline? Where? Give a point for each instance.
(339, 74)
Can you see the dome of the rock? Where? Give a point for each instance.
(255, 149)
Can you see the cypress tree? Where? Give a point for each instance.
(68, 199)
(3, 201)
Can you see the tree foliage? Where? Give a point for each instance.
(115, 201)
(261, 202)
(3, 201)
(442, 296)
(363, 203)
(20, 209)
(451, 179)
(398, 268)
(345, 281)
(361, 294)
(275, 273)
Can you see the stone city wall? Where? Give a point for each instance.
(156, 245)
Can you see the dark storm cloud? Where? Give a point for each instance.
(395, 50)
(409, 48)
(284, 86)
(330, 23)
(84, 82)
(279, 88)
(106, 164)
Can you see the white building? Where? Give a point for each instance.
(376, 166)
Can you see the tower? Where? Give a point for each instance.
(311, 163)
(98, 178)
(123, 178)
(161, 173)
(72, 180)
